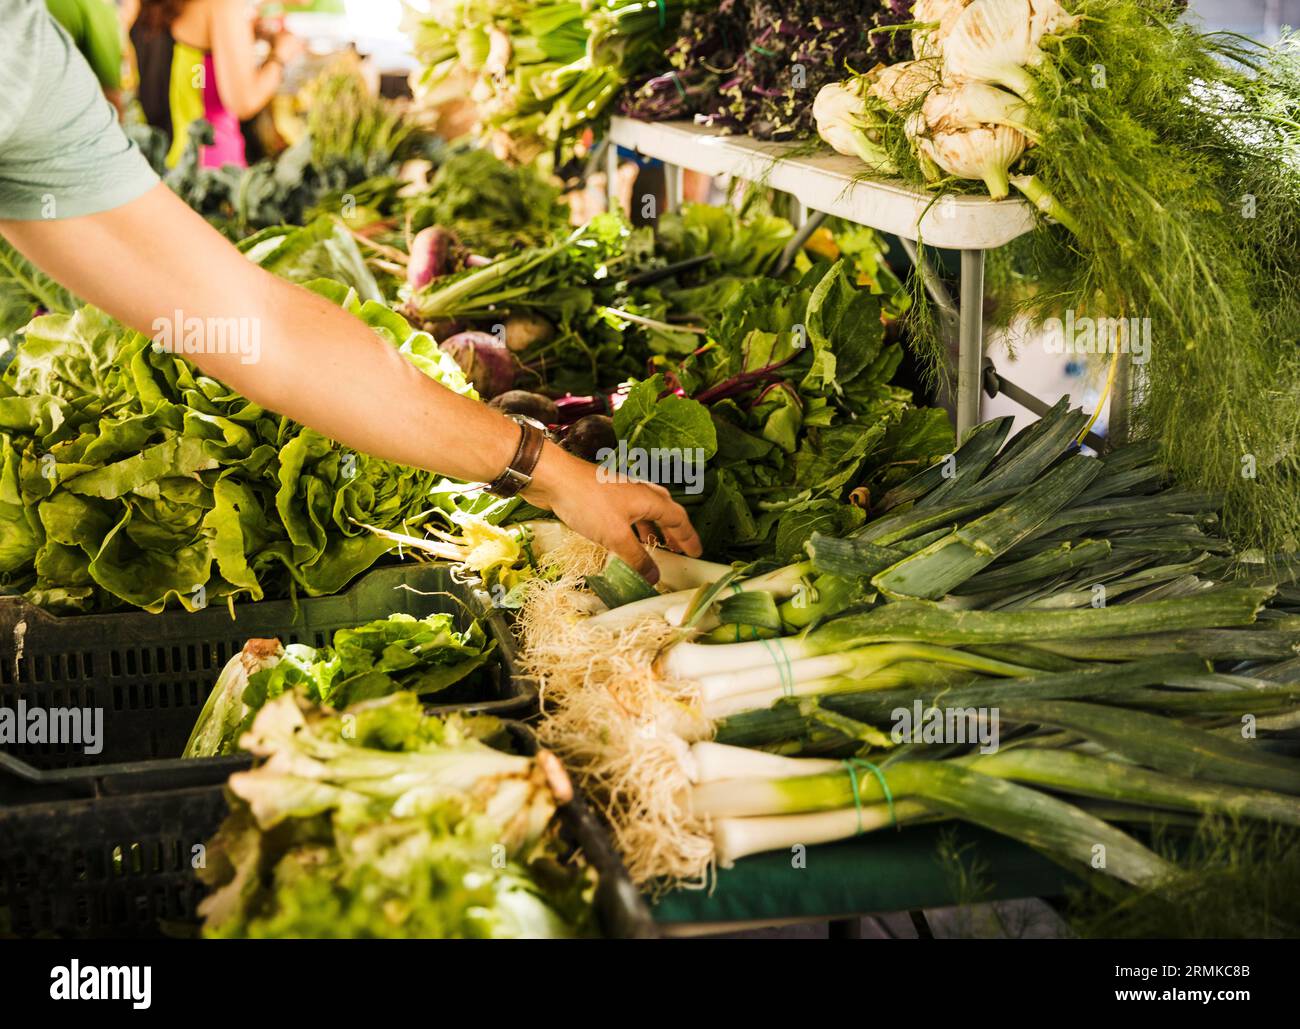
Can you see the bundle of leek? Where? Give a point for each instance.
(971, 588)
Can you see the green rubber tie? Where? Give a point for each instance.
(663, 15)
(678, 83)
(782, 662)
(762, 50)
(851, 763)
(779, 657)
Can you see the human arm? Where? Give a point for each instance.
(245, 87)
(147, 259)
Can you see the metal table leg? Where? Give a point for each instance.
(996, 384)
(803, 231)
(611, 175)
(970, 340)
(672, 186)
(798, 213)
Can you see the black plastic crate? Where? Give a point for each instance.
(108, 852)
(112, 866)
(151, 674)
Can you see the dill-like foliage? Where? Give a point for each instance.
(1232, 882)
(1178, 155)
(1165, 149)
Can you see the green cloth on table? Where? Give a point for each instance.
(94, 28)
(874, 874)
(62, 152)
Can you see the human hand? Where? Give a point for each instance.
(266, 29)
(608, 512)
(287, 48)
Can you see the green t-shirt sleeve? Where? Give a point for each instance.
(62, 152)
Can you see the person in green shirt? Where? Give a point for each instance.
(97, 33)
(82, 204)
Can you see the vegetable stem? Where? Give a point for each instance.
(1032, 187)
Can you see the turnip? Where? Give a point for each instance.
(431, 256)
(525, 330)
(484, 359)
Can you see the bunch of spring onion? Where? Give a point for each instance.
(1016, 572)
(1166, 161)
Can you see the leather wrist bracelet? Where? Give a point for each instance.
(519, 473)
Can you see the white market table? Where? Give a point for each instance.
(829, 184)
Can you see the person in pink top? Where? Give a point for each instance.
(196, 59)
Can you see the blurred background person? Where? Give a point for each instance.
(198, 59)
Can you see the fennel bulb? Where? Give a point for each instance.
(965, 131)
(900, 86)
(966, 105)
(939, 16)
(838, 110)
(996, 40)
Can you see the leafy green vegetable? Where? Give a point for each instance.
(795, 377)
(378, 822)
(25, 291)
(740, 247)
(386, 656)
(648, 420)
(422, 656)
(542, 72)
(490, 205)
(731, 65)
(131, 478)
(321, 249)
